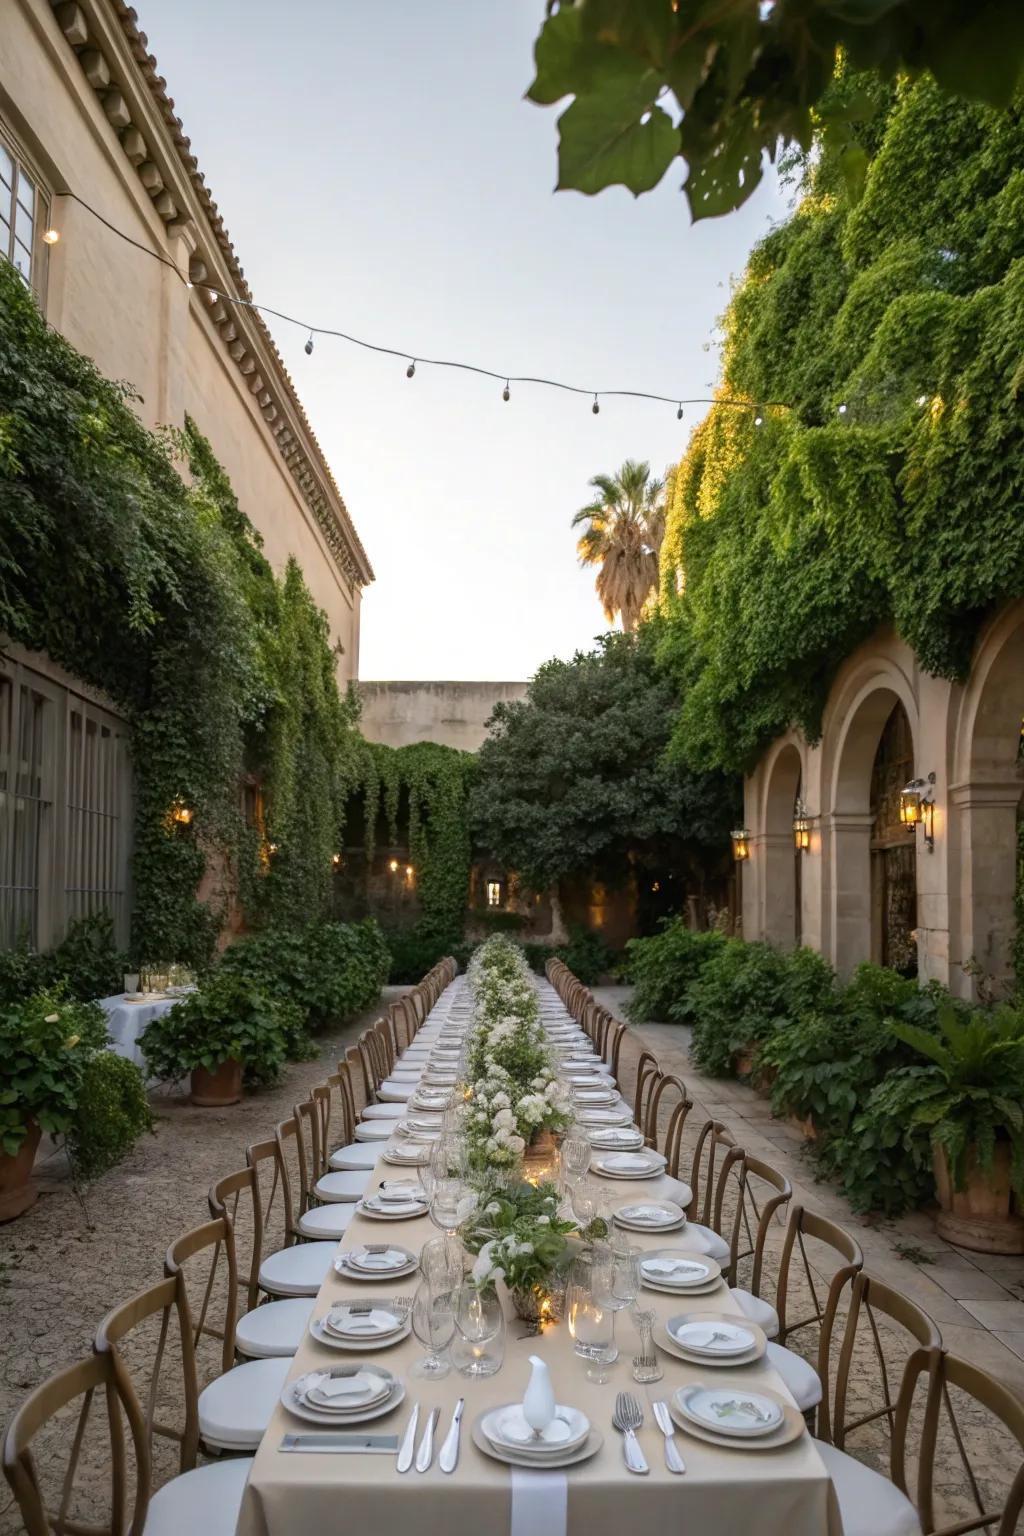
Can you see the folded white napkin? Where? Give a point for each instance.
(362, 1385)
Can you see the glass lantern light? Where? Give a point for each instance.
(740, 844)
(917, 807)
(801, 827)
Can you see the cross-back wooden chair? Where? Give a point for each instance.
(871, 1300)
(647, 1075)
(264, 1328)
(288, 1268)
(996, 1512)
(614, 1038)
(670, 1097)
(824, 1295)
(763, 1198)
(90, 1384)
(212, 1246)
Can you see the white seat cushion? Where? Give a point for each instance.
(326, 1221)
(757, 1309)
(346, 1184)
(702, 1239)
(207, 1499)
(235, 1409)
(408, 1071)
(395, 1092)
(375, 1130)
(382, 1112)
(869, 1504)
(297, 1271)
(355, 1155)
(275, 1329)
(801, 1379)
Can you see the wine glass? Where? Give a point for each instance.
(478, 1347)
(451, 1203)
(616, 1279)
(433, 1323)
(575, 1155)
(590, 1205)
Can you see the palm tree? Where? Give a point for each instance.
(625, 524)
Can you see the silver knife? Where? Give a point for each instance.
(378, 1445)
(673, 1460)
(404, 1461)
(450, 1449)
(425, 1454)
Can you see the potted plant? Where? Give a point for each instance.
(970, 1099)
(229, 1029)
(44, 1046)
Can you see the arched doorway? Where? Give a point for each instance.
(780, 882)
(893, 850)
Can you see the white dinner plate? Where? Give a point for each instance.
(733, 1411)
(599, 1116)
(711, 1337)
(650, 1215)
(303, 1410)
(392, 1212)
(337, 1341)
(506, 1427)
(615, 1138)
(629, 1165)
(590, 1447)
(392, 1261)
(674, 1269)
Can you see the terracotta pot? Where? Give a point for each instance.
(221, 1086)
(764, 1081)
(743, 1061)
(980, 1216)
(806, 1126)
(17, 1192)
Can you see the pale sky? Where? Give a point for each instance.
(379, 171)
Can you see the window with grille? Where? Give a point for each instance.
(65, 802)
(24, 210)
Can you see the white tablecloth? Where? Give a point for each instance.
(126, 1021)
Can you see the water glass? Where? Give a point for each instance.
(452, 1203)
(575, 1155)
(591, 1323)
(478, 1347)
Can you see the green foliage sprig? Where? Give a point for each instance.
(44, 1046)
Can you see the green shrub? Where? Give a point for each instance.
(538, 955)
(662, 969)
(746, 993)
(44, 1046)
(499, 922)
(587, 954)
(413, 953)
(110, 1115)
(328, 970)
(883, 1162)
(86, 963)
(230, 1018)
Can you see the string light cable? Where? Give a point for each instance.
(414, 359)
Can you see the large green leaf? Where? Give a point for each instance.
(726, 178)
(616, 136)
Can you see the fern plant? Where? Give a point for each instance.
(970, 1096)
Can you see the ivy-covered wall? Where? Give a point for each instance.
(887, 485)
(155, 591)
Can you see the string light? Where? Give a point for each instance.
(922, 399)
(214, 294)
(758, 421)
(843, 410)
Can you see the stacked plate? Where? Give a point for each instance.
(713, 1340)
(349, 1394)
(385, 1206)
(597, 1095)
(374, 1261)
(431, 1099)
(407, 1154)
(616, 1138)
(650, 1216)
(504, 1433)
(747, 1420)
(353, 1325)
(629, 1165)
(599, 1115)
(679, 1273)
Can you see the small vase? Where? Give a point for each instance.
(222, 1086)
(539, 1304)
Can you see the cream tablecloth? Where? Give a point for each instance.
(785, 1492)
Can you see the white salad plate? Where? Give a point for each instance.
(295, 1400)
(630, 1165)
(506, 1427)
(369, 1264)
(650, 1216)
(736, 1412)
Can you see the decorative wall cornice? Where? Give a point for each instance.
(170, 175)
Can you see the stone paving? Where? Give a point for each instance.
(975, 1298)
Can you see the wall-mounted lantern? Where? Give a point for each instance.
(336, 860)
(393, 866)
(740, 844)
(179, 814)
(801, 827)
(494, 893)
(917, 807)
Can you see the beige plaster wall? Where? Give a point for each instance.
(133, 316)
(453, 714)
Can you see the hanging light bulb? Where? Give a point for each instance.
(595, 407)
(51, 236)
(842, 410)
(309, 344)
(758, 421)
(679, 413)
(410, 371)
(506, 393)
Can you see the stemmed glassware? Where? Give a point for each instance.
(575, 1155)
(478, 1347)
(616, 1279)
(433, 1322)
(451, 1203)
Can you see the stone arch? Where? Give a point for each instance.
(985, 795)
(780, 917)
(862, 703)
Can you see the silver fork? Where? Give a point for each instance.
(628, 1417)
(663, 1419)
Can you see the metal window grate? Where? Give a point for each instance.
(93, 864)
(24, 810)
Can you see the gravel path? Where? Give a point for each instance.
(64, 1263)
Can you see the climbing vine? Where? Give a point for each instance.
(429, 785)
(157, 593)
(887, 486)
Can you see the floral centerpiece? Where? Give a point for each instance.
(518, 1237)
(513, 1094)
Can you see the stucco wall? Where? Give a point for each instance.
(135, 317)
(453, 714)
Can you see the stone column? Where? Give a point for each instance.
(982, 914)
(777, 855)
(850, 883)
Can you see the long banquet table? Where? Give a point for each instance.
(781, 1492)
